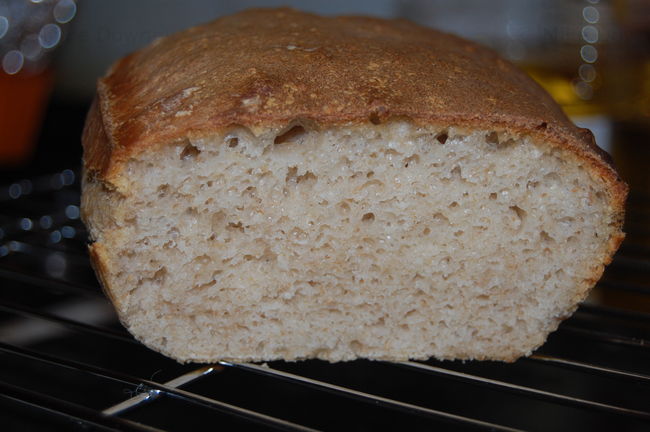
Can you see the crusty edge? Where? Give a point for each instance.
(94, 139)
(99, 261)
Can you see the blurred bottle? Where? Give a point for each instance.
(30, 30)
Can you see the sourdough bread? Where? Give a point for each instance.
(279, 185)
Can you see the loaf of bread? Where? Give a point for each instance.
(279, 185)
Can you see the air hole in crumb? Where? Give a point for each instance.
(442, 138)
(293, 177)
(235, 226)
(306, 176)
(453, 204)
(410, 313)
(498, 142)
(411, 159)
(370, 174)
(232, 142)
(390, 153)
(269, 255)
(459, 233)
(369, 183)
(492, 138)
(291, 135)
(292, 173)
(374, 118)
(189, 152)
(457, 172)
(520, 213)
(299, 236)
(545, 237)
(368, 217)
(426, 231)
(159, 276)
(201, 260)
(162, 190)
(344, 206)
(493, 196)
(440, 218)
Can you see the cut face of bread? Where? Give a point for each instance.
(387, 241)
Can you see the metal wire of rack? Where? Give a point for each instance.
(66, 362)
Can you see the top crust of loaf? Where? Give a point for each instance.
(268, 69)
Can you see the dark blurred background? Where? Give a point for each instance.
(593, 56)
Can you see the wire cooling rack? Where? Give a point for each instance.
(66, 363)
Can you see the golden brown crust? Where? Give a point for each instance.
(267, 67)
(97, 147)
